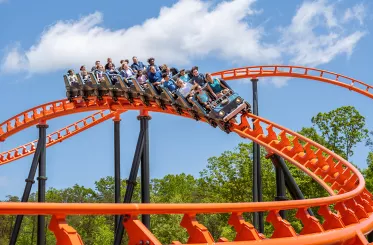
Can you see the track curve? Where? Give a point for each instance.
(341, 179)
(57, 136)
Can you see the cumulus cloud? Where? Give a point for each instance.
(187, 30)
(307, 46)
(191, 30)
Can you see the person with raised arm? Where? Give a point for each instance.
(197, 77)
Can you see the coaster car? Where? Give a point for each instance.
(72, 90)
(89, 88)
(103, 85)
(228, 106)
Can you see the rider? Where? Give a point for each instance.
(185, 89)
(112, 73)
(168, 83)
(151, 62)
(126, 71)
(137, 65)
(202, 97)
(72, 78)
(197, 78)
(154, 75)
(215, 86)
(184, 76)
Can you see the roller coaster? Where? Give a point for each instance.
(350, 223)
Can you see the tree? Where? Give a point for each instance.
(340, 130)
(368, 172)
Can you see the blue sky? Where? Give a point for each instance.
(40, 40)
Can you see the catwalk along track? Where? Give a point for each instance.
(344, 183)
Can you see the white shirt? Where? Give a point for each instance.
(186, 89)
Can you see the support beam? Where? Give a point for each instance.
(257, 175)
(116, 164)
(29, 182)
(131, 182)
(41, 183)
(280, 185)
(145, 175)
(290, 183)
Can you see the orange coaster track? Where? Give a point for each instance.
(344, 183)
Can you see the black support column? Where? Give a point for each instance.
(41, 184)
(131, 182)
(40, 147)
(257, 175)
(145, 175)
(280, 184)
(116, 164)
(290, 183)
(370, 237)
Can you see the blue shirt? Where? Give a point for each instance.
(155, 77)
(139, 66)
(156, 69)
(185, 78)
(170, 85)
(203, 97)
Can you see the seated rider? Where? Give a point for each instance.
(141, 77)
(184, 76)
(151, 62)
(166, 69)
(112, 73)
(137, 65)
(196, 77)
(72, 78)
(100, 73)
(84, 74)
(109, 61)
(202, 97)
(154, 76)
(126, 70)
(168, 83)
(215, 87)
(185, 88)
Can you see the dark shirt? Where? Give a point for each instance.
(200, 79)
(107, 66)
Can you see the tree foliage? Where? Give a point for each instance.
(340, 130)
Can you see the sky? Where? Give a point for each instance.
(41, 40)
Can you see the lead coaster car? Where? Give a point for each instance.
(228, 106)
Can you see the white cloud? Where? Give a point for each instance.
(307, 46)
(189, 29)
(14, 60)
(193, 29)
(356, 12)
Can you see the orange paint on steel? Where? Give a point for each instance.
(297, 72)
(288, 153)
(60, 108)
(353, 202)
(57, 136)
